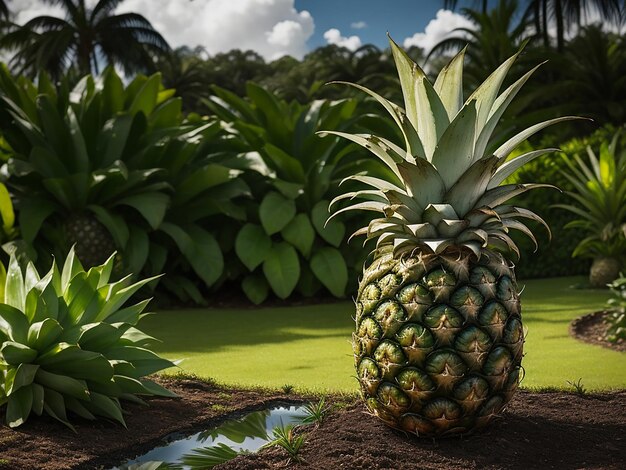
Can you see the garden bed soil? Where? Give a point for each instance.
(592, 329)
(537, 431)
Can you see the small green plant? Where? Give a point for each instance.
(600, 206)
(616, 319)
(578, 386)
(315, 412)
(284, 436)
(68, 344)
(287, 388)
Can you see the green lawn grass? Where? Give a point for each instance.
(308, 347)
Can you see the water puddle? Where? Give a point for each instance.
(211, 447)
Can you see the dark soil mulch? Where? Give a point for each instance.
(592, 328)
(551, 430)
(538, 431)
(43, 443)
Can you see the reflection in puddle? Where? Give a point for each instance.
(209, 448)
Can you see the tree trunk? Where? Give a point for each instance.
(544, 22)
(560, 34)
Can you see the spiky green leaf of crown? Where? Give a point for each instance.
(447, 190)
(68, 344)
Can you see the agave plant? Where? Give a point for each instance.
(439, 337)
(70, 345)
(287, 244)
(109, 168)
(600, 191)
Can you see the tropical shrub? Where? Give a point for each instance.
(600, 193)
(70, 345)
(616, 318)
(286, 244)
(106, 167)
(553, 257)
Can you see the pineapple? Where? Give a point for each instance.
(439, 337)
(92, 241)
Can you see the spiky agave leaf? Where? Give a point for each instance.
(70, 345)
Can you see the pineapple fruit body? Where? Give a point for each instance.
(438, 341)
(92, 241)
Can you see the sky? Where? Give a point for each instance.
(275, 28)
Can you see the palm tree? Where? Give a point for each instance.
(498, 35)
(452, 4)
(4, 10)
(85, 39)
(184, 70)
(566, 13)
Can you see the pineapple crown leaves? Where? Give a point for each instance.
(69, 345)
(446, 185)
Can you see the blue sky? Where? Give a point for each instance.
(275, 28)
(402, 18)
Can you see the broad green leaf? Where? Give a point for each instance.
(300, 233)
(77, 407)
(19, 377)
(130, 315)
(255, 287)
(14, 293)
(19, 406)
(114, 223)
(113, 139)
(276, 212)
(330, 268)
(137, 250)
(146, 98)
(282, 269)
(119, 298)
(13, 323)
(54, 405)
(43, 333)
(67, 359)
(199, 248)
(104, 406)
(143, 360)
(63, 384)
(17, 353)
(252, 245)
(98, 337)
(6, 208)
(203, 179)
(156, 389)
(333, 230)
(168, 113)
(38, 398)
(71, 268)
(288, 167)
(151, 205)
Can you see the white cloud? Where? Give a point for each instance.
(273, 28)
(358, 25)
(438, 29)
(26, 10)
(333, 36)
